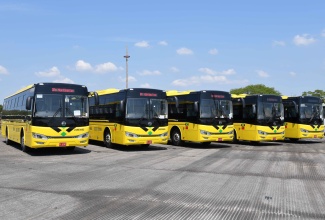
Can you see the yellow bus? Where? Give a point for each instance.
(134, 116)
(258, 118)
(47, 115)
(303, 117)
(199, 116)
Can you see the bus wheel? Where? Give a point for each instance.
(176, 137)
(7, 141)
(24, 148)
(235, 140)
(294, 139)
(108, 139)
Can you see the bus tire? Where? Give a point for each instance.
(108, 139)
(7, 141)
(176, 137)
(24, 148)
(294, 139)
(235, 140)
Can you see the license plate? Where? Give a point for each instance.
(149, 142)
(274, 139)
(62, 144)
(219, 139)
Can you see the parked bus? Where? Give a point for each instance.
(134, 116)
(258, 118)
(199, 116)
(303, 117)
(47, 115)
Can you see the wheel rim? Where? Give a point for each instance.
(176, 137)
(108, 139)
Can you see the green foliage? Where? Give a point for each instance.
(0, 108)
(255, 89)
(317, 93)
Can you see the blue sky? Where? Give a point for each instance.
(178, 45)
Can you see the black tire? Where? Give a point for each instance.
(294, 139)
(235, 140)
(108, 139)
(7, 141)
(23, 147)
(176, 137)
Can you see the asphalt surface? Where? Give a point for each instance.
(281, 180)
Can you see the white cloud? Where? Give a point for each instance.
(184, 51)
(323, 33)
(228, 72)
(213, 72)
(142, 44)
(64, 80)
(145, 85)
(83, 66)
(196, 80)
(262, 73)
(105, 67)
(3, 70)
(304, 39)
(279, 43)
(150, 73)
(207, 71)
(53, 72)
(131, 79)
(174, 69)
(163, 43)
(292, 74)
(213, 51)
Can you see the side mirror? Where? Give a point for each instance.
(254, 108)
(196, 106)
(29, 102)
(122, 105)
(95, 94)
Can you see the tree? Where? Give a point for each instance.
(255, 89)
(0, 108)
(317, 93)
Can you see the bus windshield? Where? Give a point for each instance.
(311, 111)
(210, 108)
(268, 110)
(145, 108)
(51, 105)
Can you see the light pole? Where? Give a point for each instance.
(127, 67)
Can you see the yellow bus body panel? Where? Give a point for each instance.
(293, 130)
(191, 132)
(62, 138)
(249, 132)
(118, 134)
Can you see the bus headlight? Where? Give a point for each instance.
(129, 134)
(303, 130)
(85, 135)
(205, 132)
(39, 136)
(261, 132)
(163, 134)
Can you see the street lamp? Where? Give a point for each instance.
(126, 60)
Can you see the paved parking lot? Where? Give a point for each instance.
(280, 180)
